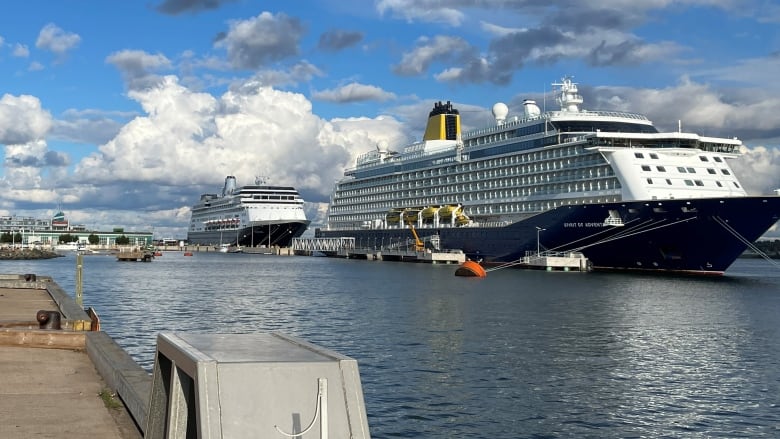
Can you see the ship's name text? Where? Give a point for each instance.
(583, 224)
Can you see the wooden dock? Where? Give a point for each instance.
(50, 384)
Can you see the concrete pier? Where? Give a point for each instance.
(50, 386)
(60, 376)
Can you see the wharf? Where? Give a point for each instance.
(554, 261)
(51, 382)
(428, 256)
(345, 248)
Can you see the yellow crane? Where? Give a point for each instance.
(418, 244)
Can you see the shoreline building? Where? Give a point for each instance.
(47, 232)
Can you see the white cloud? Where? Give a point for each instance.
(354, 92)
(245, 132)
(21, 51)
(417, 10)
(22, 119)
(758, 170)
(56, 40)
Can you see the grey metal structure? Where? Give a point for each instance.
(253, 385)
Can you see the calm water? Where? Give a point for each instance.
(517, 354)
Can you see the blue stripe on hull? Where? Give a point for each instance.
(699, 235)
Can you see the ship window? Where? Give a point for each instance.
(704, 159)
(649, 181)
(669, 182)
(711, 171)
(660, 168)
(681, 170)
(688, 182)
(639, 155)
(645, 168)
(736, 185)
(691, 170)
(654, 156)
(725, 172)
(699, 183)
(717, 159)
(718, 183)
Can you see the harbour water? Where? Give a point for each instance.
(519, 354)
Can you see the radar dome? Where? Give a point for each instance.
(381, 146)
(500, 110)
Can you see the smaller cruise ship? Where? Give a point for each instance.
(248, 216)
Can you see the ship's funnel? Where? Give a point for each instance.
(230, 185)
(443, 123)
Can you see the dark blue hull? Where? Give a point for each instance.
(699, 235)
(279, 234)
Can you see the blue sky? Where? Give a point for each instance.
(122, 113)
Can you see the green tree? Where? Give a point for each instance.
(93, 239)
(122, 240)
(6, 237)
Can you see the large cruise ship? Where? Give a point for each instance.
(254, 215)
(606, 184)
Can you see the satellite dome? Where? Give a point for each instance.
(500, 110)
(381, 146)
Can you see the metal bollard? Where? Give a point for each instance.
(29, 277)
(49, 319)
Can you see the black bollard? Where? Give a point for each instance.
(49, 319)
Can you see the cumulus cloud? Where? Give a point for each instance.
(56, 40)
(301, 72)
(138, 67)
(699, 107)
(33, 155)
(431, 50)
(757, 169)
(21, 50)
(597, 34)
(335, 40)
(420, 10)
(22, 119)
(88, 127)
(174, 7)
(247, 131)
(261, 40)
(353, 92)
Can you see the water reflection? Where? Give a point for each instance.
(517, 354)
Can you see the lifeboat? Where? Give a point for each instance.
(462, 219)
(411, 215)
(429, 212)
(446, 212)
(470, 269)
(393, 217)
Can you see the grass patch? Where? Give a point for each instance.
(110, 399)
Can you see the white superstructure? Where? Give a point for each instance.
(248, 215)
(527, 164)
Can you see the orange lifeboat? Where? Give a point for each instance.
(187, 253)
(470, 269)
